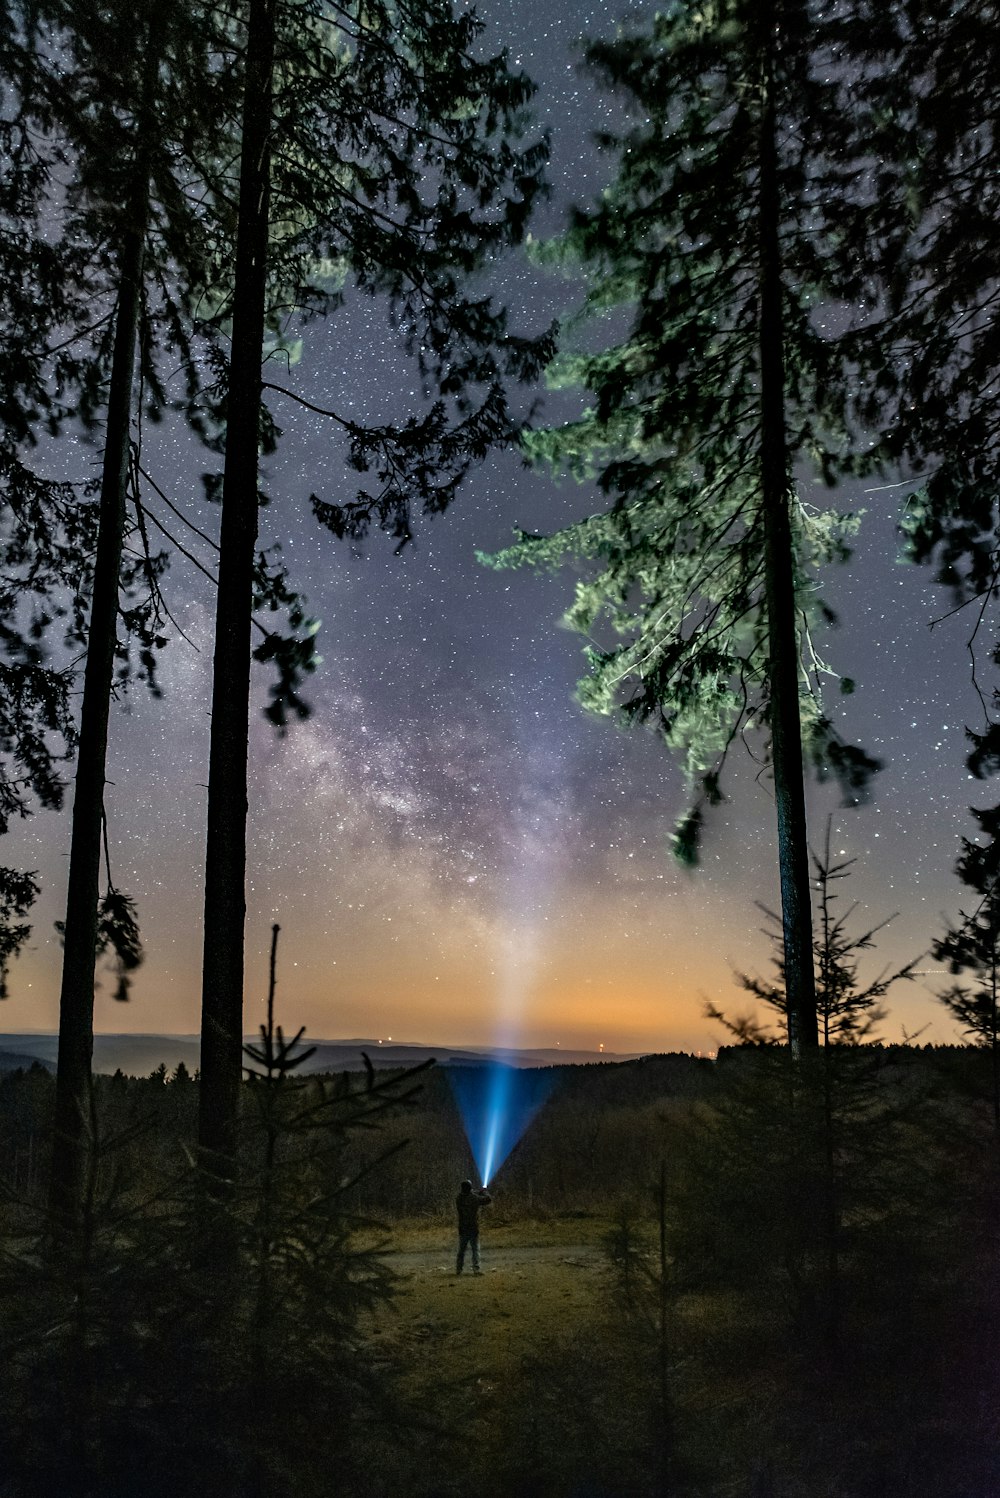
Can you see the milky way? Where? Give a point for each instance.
(453, 850)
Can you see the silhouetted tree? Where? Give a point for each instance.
(841, 1095)
(147, 194)
(849, 1009)
(429, 185)
(123, 194)
(46, 526)
(973, 946)
(76, 1015)
(722, 231)
(225, 866)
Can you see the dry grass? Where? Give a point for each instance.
(514, 1370)
(500, 1229)
(527, 1295)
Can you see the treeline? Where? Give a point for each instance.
(556, 1166)
(594, 1143)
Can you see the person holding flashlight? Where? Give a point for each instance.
(469, 1204)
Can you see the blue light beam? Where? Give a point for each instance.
(497, 1104)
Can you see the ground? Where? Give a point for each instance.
(528, 1291)
(510, 1367)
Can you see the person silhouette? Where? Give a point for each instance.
(469, 1204)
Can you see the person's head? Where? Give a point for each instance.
(466, 1187)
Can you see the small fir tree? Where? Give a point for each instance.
(849, 1010)
(830, 1107)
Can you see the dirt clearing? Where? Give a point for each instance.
(507, 1365)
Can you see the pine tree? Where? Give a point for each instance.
(225, 866)
(973, 946)
(842, 1096)
(46, 526)
(717, 234)
(125, 195)
(935, 206)
(147, 198)
(76, 1017)
(375, 140)
(849, 1009)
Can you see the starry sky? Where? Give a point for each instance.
(457, 854)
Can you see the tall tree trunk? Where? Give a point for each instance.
(225, 862)
(73, 1140)
(779, 583)
(831, 1206)
(663, 1330)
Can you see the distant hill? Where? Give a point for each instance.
(20, 1061)
(345, 1055)
(138, 1055)
(135, 1055)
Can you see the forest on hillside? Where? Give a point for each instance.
(788, 283)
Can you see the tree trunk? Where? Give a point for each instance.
(73, 1141)
(994, 1032)
(831, 1207)
(779, 584)
(663, 1329)
(225, 862)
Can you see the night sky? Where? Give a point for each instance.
(455, 852)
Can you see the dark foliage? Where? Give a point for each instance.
(17, 895)
(972, 945)
(136, 1360)
(932, 211)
